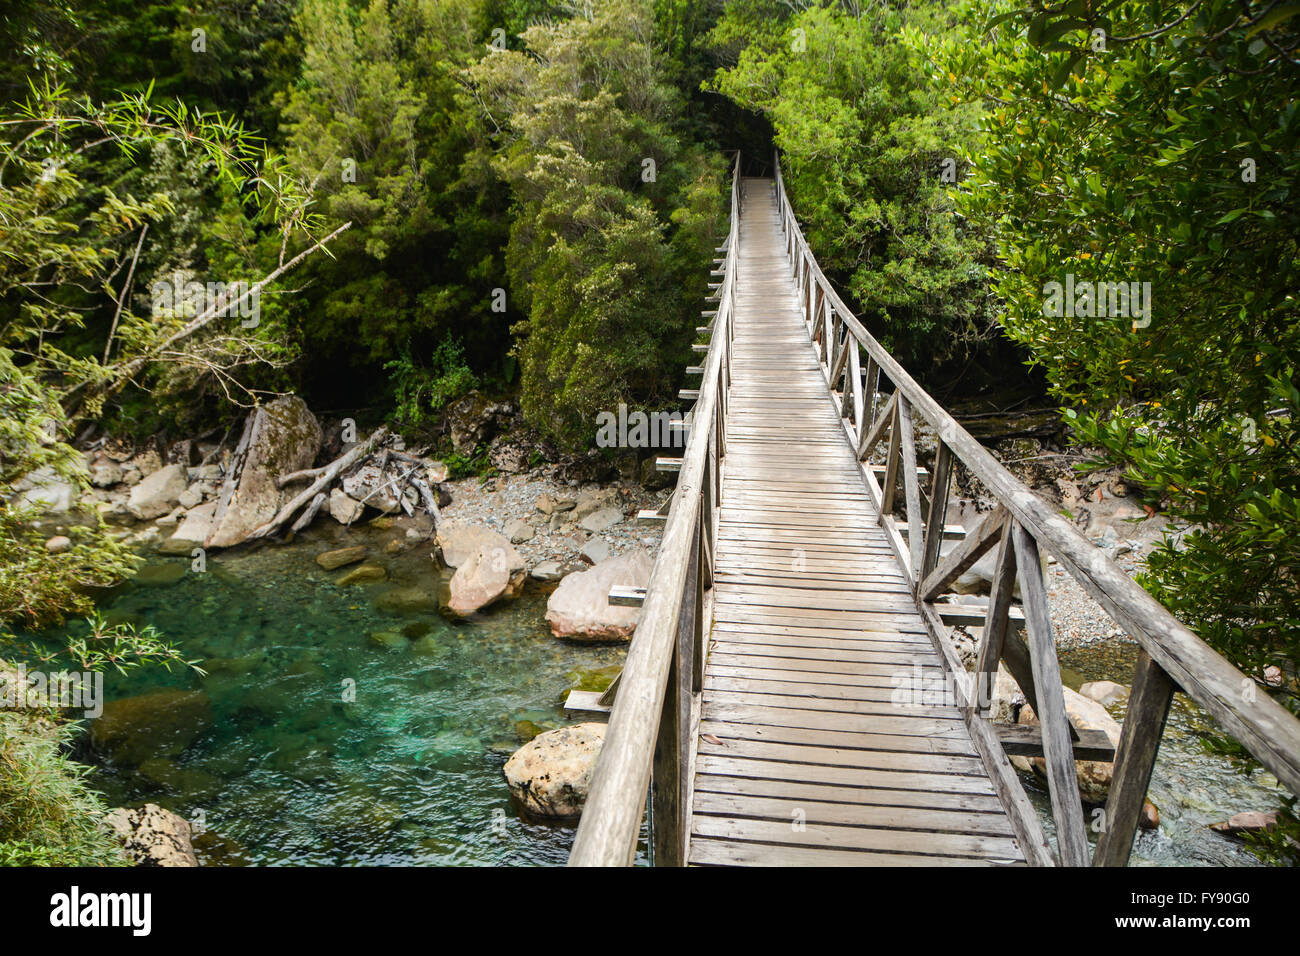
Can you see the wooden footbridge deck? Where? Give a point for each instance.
(792, 695)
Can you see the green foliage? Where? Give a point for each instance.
(1127, 164)
(1162, 149)
(421, 392)
(864, 135)
(380, 124)
(604, 259)
(49, 816)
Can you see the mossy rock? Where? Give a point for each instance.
(391, 640)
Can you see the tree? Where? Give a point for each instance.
(1152, 149)
(379, 123)
(869, 152)
(614, 214)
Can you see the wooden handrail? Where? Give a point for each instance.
(1266, 728)
(611, 819)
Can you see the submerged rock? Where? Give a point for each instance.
(363, 574)
(549, 776)
(152, 836)
(330, 560)
(1105, 692)
(579, 608)
(161, 723)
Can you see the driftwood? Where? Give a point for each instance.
(309, 515)
(327, 475)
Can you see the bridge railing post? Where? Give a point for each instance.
(1135, 758)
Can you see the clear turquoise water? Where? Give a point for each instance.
(290, 774)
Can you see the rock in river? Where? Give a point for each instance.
(329, 560)
(480, 581)
(460, 542)
(161, 723)
(549, 775)
(579, 608)
(152, 836)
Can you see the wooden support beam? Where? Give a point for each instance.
(957, 561)
(936, 510)
(585, 703)
(911, 487)
(626, 595)
(972, 615)
(996, 616)
(1139, 742)
(1063, 784)
(883, 421)
(1025, 740)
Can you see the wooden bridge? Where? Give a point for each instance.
(792, 694)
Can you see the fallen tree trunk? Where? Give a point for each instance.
(327, 475)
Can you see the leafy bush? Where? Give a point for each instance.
(421, 392)
(614, 215)
(48, 814)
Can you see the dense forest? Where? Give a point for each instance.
(401, 201)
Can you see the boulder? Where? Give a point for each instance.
(161, 723)
(152, 836)
(547, 571)
(519, 531)
(105, 472)
(601, 520)
(550, 504)
(343, 508)
(549, 776)
(579, 608)
(192, 531)
(589, 502)
(330, 560)
(1105, 692)
(1007, 698)
(377, 488)
(652, 479)
(480, 581)
(595, 551)
(45, 491)
(280, 437)
(1094, 775)
(58, 544)
(1251, 821)
(458, 543)
(473, 419)
(191, 496)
